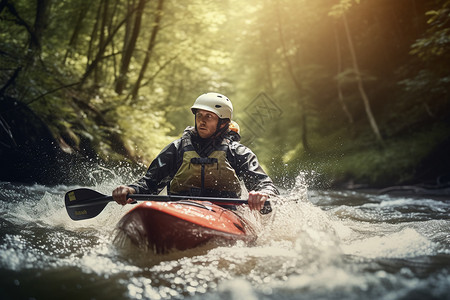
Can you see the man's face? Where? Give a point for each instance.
(206, 122)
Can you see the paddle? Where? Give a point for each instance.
(82, 204)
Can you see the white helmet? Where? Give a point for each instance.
(216, 103)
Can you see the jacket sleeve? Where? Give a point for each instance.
(160, 172)
(250, 171)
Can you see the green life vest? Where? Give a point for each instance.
(206, 176)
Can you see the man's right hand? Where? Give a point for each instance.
(120, 194)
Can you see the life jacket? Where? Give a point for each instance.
(211, 176)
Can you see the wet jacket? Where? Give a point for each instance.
(165, 166)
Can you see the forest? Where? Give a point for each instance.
(349, 93)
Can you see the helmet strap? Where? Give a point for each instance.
(220, 131)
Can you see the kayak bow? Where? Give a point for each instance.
(162, 227)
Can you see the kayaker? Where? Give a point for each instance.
(207, 160)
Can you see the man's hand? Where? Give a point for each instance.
(120, 194)
(256, 200)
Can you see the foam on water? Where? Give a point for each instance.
(344, 245)
(297, 238)
(403, 244)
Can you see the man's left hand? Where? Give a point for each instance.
(256, 200)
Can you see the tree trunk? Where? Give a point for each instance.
(40, 23)
(338, 82)
(35, 37)
(102, 48)
(303, 115)
(93, 35)
(102, 40)
(151, 44)
(83, 9)
(36, 32)
(113, 47)
(361, 89)
(129, 49)
(126, 36)
(268, 66)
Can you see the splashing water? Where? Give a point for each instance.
(315, 244)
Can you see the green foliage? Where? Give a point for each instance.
(66, 66)
(338, 148)
(436, 41)
(78, 64)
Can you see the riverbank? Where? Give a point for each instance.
(415, 159)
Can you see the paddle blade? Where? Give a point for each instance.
(82, 204)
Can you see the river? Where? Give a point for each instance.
(314, 245)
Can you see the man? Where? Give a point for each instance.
(207, 160)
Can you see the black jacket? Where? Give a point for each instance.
(242, 159)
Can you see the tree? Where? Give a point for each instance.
(104, 42)
(129, 46)
(82, 11)
(339, 10)
(338, 81)
(301, 96)
(151, 45)
(431, 75)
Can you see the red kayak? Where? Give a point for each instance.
(182, 225)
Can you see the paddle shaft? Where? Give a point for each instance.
(148, 197)
(88, 198)
(83, 203)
